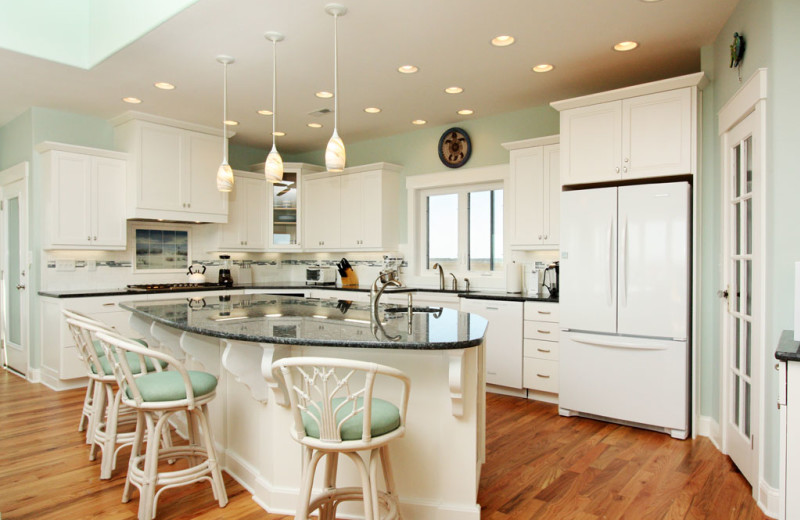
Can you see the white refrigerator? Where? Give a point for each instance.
(624, 301)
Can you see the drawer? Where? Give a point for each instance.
(541, 311)
(540, 374)
(541, 330)
(541, 349)
(90, 306)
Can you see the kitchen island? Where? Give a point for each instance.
(237, 338)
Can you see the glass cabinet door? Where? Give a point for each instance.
(284, 231)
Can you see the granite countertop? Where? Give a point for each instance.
(788, 348)
(479, 294)
(291, 320)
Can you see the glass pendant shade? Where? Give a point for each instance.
(335, 155)
(225, 178)
(273, 168)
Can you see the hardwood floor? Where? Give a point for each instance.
(539, 466)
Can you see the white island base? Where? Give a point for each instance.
(436, 465)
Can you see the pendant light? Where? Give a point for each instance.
(335, 153)
(273, 168)
(225, 173)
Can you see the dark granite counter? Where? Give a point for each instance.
(291, 320)
(788, 348)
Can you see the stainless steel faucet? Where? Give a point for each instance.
(375, 294)
(455, 282)
(466, 281)
(437, 265)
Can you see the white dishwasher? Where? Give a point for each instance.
(503, 339)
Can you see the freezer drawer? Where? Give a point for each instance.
(635, 380)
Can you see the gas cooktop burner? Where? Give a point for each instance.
(173, 286)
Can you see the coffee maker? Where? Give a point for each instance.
(550, 279)
(225, 277)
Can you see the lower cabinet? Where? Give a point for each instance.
(503, 339)
(789, 404)
(540, 338)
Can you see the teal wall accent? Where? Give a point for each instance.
(417, 151)
(16, 141)
(241, 157)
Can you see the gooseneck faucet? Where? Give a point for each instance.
(455, 282)
(375, 294)
(437, 265)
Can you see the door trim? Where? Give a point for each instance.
(750, 98)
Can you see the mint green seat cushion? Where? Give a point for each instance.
(169, 386)
(133, 362)
(385, 419)
(99, 348)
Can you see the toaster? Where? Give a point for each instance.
(320, 275)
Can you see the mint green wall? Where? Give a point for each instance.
(16, 144)
(416, 151)
(240, 157)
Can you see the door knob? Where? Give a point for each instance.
(20, 287)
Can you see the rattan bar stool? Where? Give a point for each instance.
(335, 413)
(156, 397)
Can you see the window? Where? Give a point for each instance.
(161, 249)
(463, 228)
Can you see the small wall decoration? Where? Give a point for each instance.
(454, 147)
(737, 52)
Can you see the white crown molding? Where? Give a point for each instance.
(47, 146)
(530, 143)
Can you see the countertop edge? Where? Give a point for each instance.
(788, 349)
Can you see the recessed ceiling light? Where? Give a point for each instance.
(324, 94)
(163, 85)
(314, 125)
(132, 100)
(265, 112)
(279, 134)
(502, 41)
(372, 110)
(454, 90)
(625, 46)
(408, 69)
(418, 122)
(231, 122)
(465, 112)
(543, 67)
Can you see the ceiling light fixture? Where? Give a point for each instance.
(273, 167)
(543, 67)
(324, 94)
(225, 173)
(278, 133)
(372, 110)
(465, 112)
(335, 156)
(625, 46)
(163, 85)
(314, 125)
(265, 112)
(132, 100)
(407, 69)
(454, 90)
(502, 41)
(418, 122)
(231, 122)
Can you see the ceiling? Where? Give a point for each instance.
(447, 39)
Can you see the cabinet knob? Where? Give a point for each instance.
(624, 168)
(626, 159)
(89, 238)
(95, 238)
(616, 169)
(545, 237)
(540, 237)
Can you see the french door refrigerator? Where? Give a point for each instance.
(624, 301)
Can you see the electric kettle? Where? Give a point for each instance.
(550, 281)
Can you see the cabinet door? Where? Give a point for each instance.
(284, 228)
(352, 211)
(160, 164)
(321, 213)
(503, 340)
(657, 134)
(70, 191)
(205, 156)
(372, 217)
(108, 202)
(231, 235)
(552, 195)
(256, 213)
(590, 143)
(527, 170)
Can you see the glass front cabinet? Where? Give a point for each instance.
(285, 207)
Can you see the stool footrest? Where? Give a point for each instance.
(337, 495)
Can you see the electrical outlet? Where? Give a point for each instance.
(65, 265)
(91, 265)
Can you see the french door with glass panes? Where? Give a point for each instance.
(741, 344)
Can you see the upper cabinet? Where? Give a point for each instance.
(172, 169)
(285, 207)
(534, 193)
(247, 211)
(636, 132)
(84, 190)
(355, 209)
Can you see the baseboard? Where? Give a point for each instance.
(49, 378)
(709, 427)
(504, 390)
(768, 499)
(546, 397)
(35, 375)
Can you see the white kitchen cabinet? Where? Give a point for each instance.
(632, 133)
(285, 207)
(503, 339)
(541, 350)
(789, 404)
(535, 191)
(247, 207)
(84, 197)
(172, 168)
(352, 210)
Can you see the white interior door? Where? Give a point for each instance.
(13, 208)
(742, 350)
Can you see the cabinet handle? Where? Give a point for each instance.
(626, 159)
(95, 238)
(109, 304)
(189, 205)
(89, 238)
(543, 331)
(545, 350)
(492, 308)
(540, 237)
(616, 169)
(545, 237)
(544, 312)
(624, 168)
(543, 376)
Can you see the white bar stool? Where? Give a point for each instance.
(334, 413)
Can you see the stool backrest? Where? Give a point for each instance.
(322, 387)
(83, 329)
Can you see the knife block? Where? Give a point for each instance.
(349, 279)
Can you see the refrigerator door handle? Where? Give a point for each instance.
(609, 255)
(617, 342)
(623, 264)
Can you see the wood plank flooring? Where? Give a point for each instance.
(539, 466)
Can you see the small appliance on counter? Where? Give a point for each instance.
(550, 279)
(513, 278)
(531, 284)
(320, 275)
(198, 275)
(225, 277)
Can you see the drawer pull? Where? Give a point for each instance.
(545, 350)
(540, 331)
(543, 376)
(109, 304)
(544, 312)
(492, 308)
